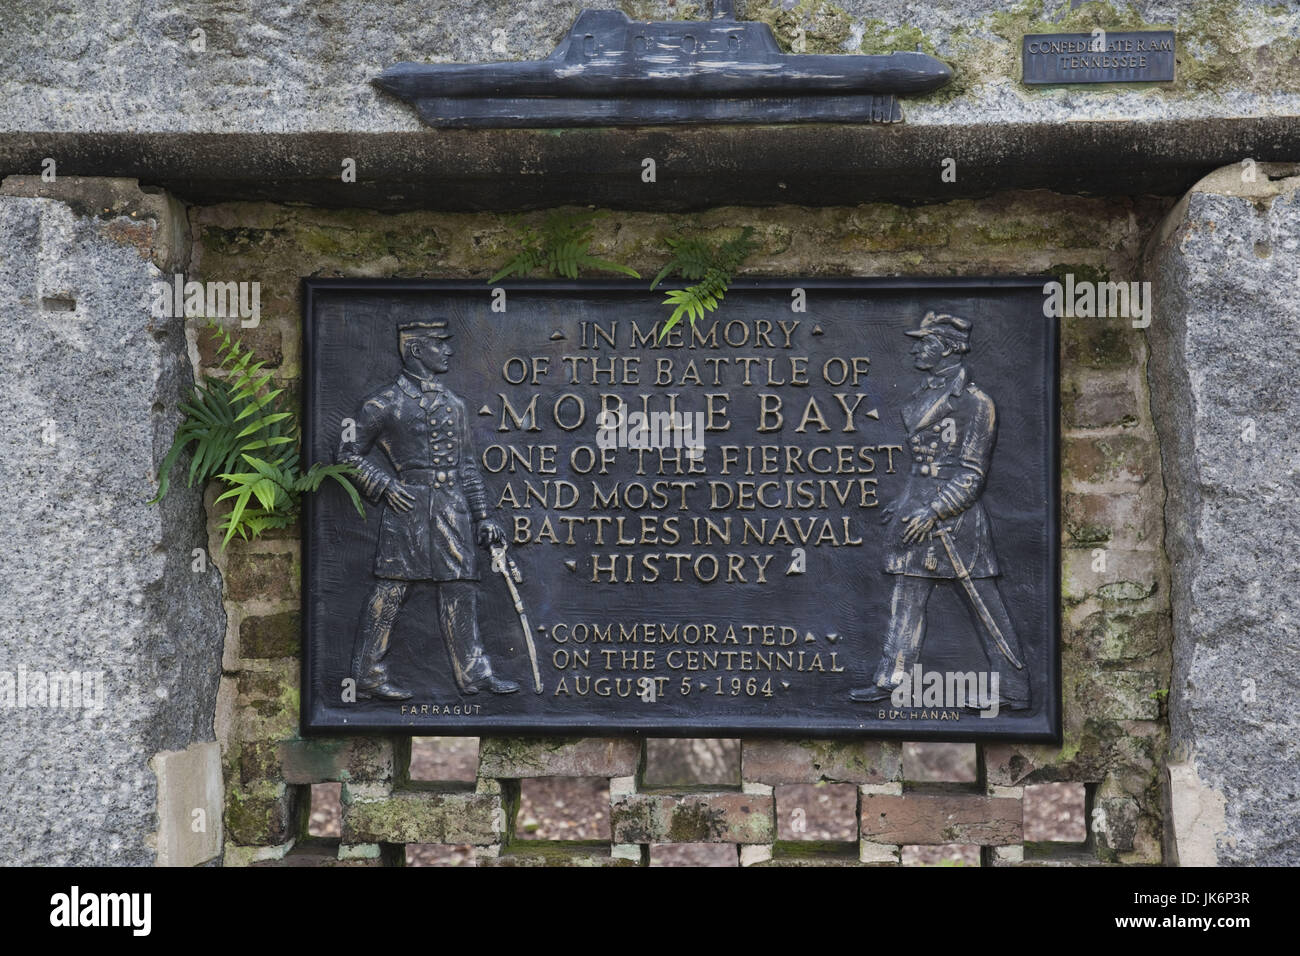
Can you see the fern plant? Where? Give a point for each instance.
(559, 247)
(227, 421)
(712, 266)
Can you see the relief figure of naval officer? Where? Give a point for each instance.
(938, 531)
(434, 510)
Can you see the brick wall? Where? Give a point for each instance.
(1116, 631)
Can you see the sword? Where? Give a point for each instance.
(964, 576)
(505, 565)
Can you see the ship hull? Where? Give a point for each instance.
(895, 73)
(542, 112)
(612, 71)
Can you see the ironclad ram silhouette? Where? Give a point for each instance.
(614, 71)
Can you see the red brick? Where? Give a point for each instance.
(273, 635)
(324, 759)
(1097, 401)
(817, 812)
(425, 817)
(938, 818)
(270, 577)
(1129, 458)
(513, 757)
(1122, 519)
(812, 761)
(693, 818)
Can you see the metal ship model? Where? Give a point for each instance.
(614, 71)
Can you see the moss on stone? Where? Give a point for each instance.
(814, 850)
(258, 815)
(239, 239)
(1125, 591)
(696, 822)
(424, 817)
(884, 228)
(650, 10)
(1082, 272)
(881, 37)
(1099, 343)
(826, 28)
(1126, 637)
(259, 761)
(269, 702)
(270, 635)
(526, 754)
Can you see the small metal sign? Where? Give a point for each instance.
(828, 508)
(1098, 57)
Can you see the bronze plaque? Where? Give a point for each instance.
(1058, 59)
(830, 507)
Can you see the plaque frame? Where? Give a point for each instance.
(1048, 727)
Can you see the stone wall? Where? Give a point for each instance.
(298, 67)
(1116, 635)
(226, 101)
(1226, 263)
(96, 581)
(1188, 662)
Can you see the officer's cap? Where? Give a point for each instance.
(954, 331)
(437, 330)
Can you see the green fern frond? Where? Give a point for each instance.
(521, 265)
(692, 258)
(227, 420)
(559, 247)
(590, 262)
(713, 265)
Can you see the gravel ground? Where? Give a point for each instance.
(566, 808)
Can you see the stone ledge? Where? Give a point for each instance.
(808, 165)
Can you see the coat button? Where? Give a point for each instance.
(925, 469)
(936, 428)
(918, 457)
(442, 476)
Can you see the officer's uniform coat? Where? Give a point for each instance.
(422, 429)
(952, 427)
